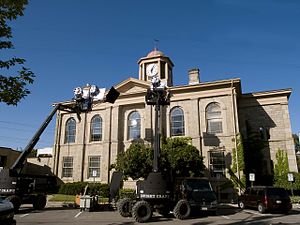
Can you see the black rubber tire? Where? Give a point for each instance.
(241, 205)
(142, 211)
(39, 202)
(16, 201)
(182, 209)
(124, 207)
(261, 208)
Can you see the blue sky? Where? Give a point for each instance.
(68, 43)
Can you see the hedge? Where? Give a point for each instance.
(79, 187)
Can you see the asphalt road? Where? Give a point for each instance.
(225, 215)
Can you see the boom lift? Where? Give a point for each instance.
(23, 183)
(161, 194)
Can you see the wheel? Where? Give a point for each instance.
(241, 205)
(15, 200)
(142, 211)
(124, 207)
(182, 209)
(39, 202)
(261, 208)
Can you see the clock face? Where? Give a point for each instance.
(152, 70)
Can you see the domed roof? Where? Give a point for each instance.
(155, 52)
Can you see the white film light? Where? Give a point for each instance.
(85, 96)
(94, 90)
(77, 93)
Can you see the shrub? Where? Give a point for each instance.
(78, 188)
(295, 199)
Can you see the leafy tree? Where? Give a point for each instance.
(136, 162)
(238, 159)
(281, 167)
(178, 157)
(281, 170)
(239, 152)
(181, 158)
(12, 87)
(297, 149)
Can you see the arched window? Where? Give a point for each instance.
(177, 122)
(134, 125)
(70, 133)
(213, 118)
(96, 128)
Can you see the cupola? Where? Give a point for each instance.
(156, 64)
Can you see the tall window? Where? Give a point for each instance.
(70, 133)
(217, 164)
(94, 166)
(214, 118)
(96, 128)
(177, 122)
(67, 170)
(134, 125)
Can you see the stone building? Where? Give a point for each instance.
(7, 157)
(211, 113)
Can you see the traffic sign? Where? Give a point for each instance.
(252, 176)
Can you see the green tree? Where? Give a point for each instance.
(238, 161)
(178, 157)
(13, 87)
(297, 149)
(281, 167)
(135, 162)
(281, 170)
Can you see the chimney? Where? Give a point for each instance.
(194, 76)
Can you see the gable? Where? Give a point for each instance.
(132, 86)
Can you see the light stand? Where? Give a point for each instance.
(158, 96)
(85, 96)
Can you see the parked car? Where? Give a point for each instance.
(266, 198)
(6, 212)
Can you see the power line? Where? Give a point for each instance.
(24, 130)
(16, 123)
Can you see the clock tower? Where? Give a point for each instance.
(156, 64)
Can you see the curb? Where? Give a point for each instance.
(52, 204)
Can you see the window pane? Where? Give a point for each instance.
(217, 163)
(134, 125)
(96, 129)
(94, 166)
(67, 170)
(70, 131)
(214, 118)
(177, 122)
(214, 126)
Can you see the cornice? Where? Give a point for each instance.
(271, 93)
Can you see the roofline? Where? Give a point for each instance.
(146, 83)
(286, 91)
(207, 84)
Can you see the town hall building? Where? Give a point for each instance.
(212, 114)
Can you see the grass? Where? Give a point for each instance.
(70, 198)
(62, 198)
